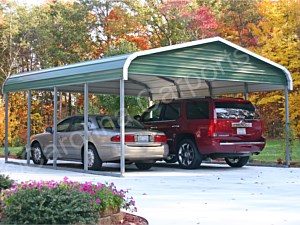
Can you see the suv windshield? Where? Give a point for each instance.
(235, 110)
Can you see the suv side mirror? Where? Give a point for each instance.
(137, 117)
(49, 130)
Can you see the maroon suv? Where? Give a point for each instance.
(200, 128)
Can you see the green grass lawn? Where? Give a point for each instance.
(275, 149)
(12, 150)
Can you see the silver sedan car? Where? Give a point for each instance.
(142, 146)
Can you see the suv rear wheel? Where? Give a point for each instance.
(188, 155)
(237, 162)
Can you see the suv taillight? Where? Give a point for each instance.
(212, 129)
(262, 127)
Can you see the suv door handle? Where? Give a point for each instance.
(175, 126)
(153, 127)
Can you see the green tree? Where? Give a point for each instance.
(110, 104)
(62, 34)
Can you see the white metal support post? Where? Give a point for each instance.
(28, 126)
(55, 141)
(287, 128)
(6, 126)
(246, 93)
(122, 128)
(86, 119)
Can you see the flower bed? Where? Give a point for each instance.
(65, 202)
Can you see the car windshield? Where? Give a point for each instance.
(107, 122)
(236, 110)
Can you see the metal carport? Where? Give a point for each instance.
(207, 67)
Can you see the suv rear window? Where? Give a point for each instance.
(235, 110)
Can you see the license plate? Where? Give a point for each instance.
(241, 131)
(241, 124)
(143, 138)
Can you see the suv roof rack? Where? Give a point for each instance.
(175, 99)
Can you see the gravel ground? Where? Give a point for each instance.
(213, 194)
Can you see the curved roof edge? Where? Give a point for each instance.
(204, 41)
(89, 64)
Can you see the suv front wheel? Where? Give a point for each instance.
(237, 162)
(188, 155)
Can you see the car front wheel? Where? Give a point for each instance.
(237, 162)
(37, 154)
(188, 155)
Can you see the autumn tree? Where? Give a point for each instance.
(40, 37)
(278, 39)
(172, 22)
(236, 18)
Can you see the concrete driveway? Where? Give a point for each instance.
(214, 194)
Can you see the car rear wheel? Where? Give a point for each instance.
(237, 162)
(37, 154)
(94, 161)
(188, 155)
(144, 166)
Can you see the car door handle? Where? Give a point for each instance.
(153, 127)
(175, 126)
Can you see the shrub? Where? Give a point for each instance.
(5, 182)
(49, 206)
(50, 202)
(22, 153)
(16, 142)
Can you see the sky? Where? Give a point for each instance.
(30, 2)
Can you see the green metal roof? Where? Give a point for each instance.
(206, 67)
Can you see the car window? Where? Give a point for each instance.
(153, 113)
(197, 110)
(172, 111)
(106, 122)
(77, 124)
(236, 110)
(64, 125)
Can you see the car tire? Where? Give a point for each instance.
(37, 155)
(144, 166)
(171, 159)
(94, 161)
(188, 155)
(238, 161)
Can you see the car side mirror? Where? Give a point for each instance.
(49, 130)
(137, 117)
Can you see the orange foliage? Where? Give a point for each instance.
(121, 25)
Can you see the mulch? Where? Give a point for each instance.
(130, 219)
